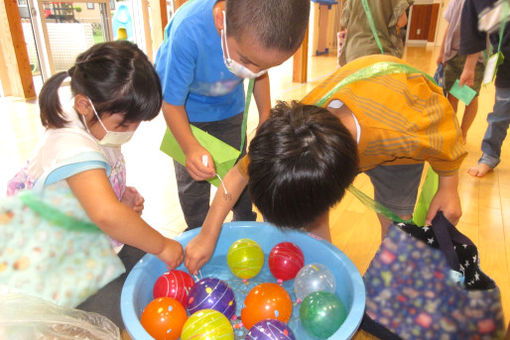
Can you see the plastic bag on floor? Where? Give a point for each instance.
(27, 317)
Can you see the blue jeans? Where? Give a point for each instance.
(495, 134)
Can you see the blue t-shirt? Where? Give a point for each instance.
(191, 68)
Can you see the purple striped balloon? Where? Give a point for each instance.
(270, 329)
(212, 293)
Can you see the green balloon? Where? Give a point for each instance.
(322, 313)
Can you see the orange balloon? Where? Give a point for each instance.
(266, 301)
(163, 318)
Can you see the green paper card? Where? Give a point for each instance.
(224, 155)
(463, 93)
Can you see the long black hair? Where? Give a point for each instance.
(117, 77)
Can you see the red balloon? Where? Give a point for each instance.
(163, 318)
(175, 284)
(285, 261)
(266, 301)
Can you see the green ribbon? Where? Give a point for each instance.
(377, 69)
(374, 205)
(428, 190)
(502, 25)
(371, 23)
(245, 114)
(54, 215)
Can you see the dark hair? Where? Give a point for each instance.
(301, 161)
(277, 24)
(117, 77)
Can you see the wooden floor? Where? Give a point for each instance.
(355, 229)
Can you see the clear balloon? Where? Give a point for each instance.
(313, 278)
(245, 258)
(322, 313)
(207, 324)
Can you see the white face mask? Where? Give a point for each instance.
(233, 66)
(112, 138)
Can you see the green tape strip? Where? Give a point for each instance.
(54, 215)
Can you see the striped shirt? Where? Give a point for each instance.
(404, 118)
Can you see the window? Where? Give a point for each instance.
(90, 5)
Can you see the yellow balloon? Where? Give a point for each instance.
(207, 324)
(245, 258)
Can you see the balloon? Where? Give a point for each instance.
(322, 313)
(313, 278)
(285, 260)
(270, 329)
(212, 293)
(207, 324)
(245, 258)
(175, 284)
(266, 301)
(163, 318)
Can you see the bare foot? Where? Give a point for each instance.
(479, 170)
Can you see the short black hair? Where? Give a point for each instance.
(276, 24)
(117, 77)
(302, 159)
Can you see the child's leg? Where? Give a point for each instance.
(469, 117)
(193, 196)
(454, 102)
(471, 110)
(498, 122)
(396, 188)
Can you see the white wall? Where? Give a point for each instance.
(441, 26)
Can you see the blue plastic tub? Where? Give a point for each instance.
(137, 290)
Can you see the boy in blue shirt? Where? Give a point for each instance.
(209, 47)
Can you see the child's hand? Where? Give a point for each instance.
(199, 164)
(447, 200)
(133, 199)
(198, 251)
(172, 253)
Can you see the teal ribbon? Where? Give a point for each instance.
(374, 205)
(54, 215)
(371, 23)
(502, 25)
(245, 114)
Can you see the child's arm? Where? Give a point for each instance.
(199, 250)
(468, 73)
(446, 199)
(116, 219)
(262, 96)
(177, 120)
